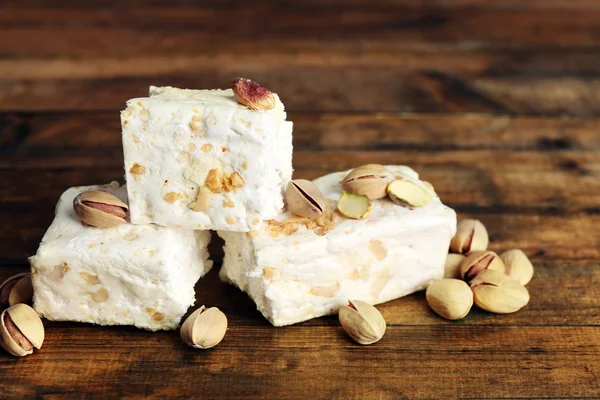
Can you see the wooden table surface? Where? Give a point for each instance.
(496, 103)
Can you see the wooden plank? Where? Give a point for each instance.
(408, 362)
(319, 131)
(160, 29)
(481, 4)
(432, 83)
(388, 57)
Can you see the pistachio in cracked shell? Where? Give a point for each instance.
(479, 261)
(450, 298)
(304, 198)
(452, 266)
(100, 209)
(497, 292)
(204, 328)
(518, 266)
(16, 289)
(363, 322)
(21, 330)
(408, 194)
(471, 235)
(370, 180)
(355, 206)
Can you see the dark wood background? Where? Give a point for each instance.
(497, 103)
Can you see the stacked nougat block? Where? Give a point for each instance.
(194, 160)
(199, 160)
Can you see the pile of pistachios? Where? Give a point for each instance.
(473, 274)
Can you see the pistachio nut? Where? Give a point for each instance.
(518, 266)
(408, 194)
(498, 293)
(471, 235)
(429, 186)
(21, 330)
(450, 298)
(479, 261)
(304, 198)
(370, 180)
(100, 209)
(356, 206)
(204, 328)
(11, 294)
(363, 322)
(22, 292)
(452, 266)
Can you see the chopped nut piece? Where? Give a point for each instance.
(157, 316)
(237, 181)
(326, 290)
(231, 220)
(269, 272)
(89, 279)
(289, 229)
(172, 197)
(378, 249)
(214, 180)
(202, 200)
(206, 147)
(252, 234)
(100, 296)
(229, 203)
(137, 169)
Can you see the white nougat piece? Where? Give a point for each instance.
(142, 275)
(198, 159)
(312, 272)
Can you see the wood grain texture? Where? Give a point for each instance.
(495, 103)
(509, 359)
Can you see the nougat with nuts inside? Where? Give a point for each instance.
(207, 159)
(123, 274)
(305, 265)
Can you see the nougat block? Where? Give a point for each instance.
(198, 159)
(142, 275)
(296, 269)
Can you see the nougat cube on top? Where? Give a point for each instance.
(142, 275)
(296, 269)
(198, 159)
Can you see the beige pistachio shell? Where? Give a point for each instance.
(496, 292)
(479, 261)
(518, 266)
(356, 206)
(100, 209)
(471, 235)
(450, 298)
(370, 180)
(21, 330)
(22, 292)
(204, 328)
(304, 198)
(452, 266)
(363, 322)
(408, 194)
(6, 289)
